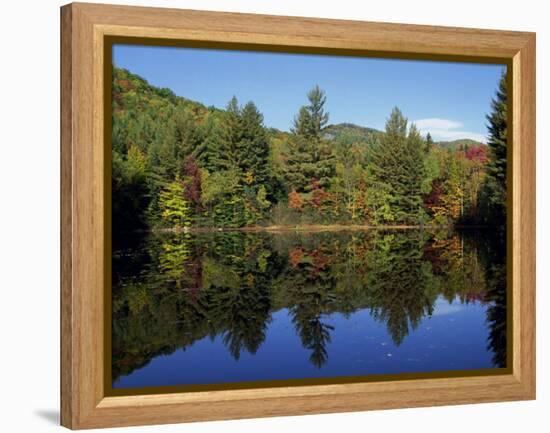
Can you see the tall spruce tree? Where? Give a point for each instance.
(208, 151)
(254, 146)
(312, 118)
(242, 143)
(493, 191)
(429, 142)
(240, 151)
(227, 155)
(397, 169)
(309, 158)
(413, 188)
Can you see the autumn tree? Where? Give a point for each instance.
(175, 209)
(192, 187)
(348, 184)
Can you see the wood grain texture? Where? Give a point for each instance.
(67, 394)
(524, 171)
(84, 28)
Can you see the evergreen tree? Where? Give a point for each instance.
(241, 144)
(429, 142)
(208, 151)
(493, 191)
(397, 172)
(184, 132)
(227, 155)
(312, 118)
(413, 186)
(308, 156)
(400, 282)
(254, 147)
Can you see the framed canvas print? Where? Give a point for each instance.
(268, 216)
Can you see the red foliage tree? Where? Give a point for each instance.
(477, 154)
(295, 256)
(192, 176)
(295, 201)
(432, 202)
(318, 195)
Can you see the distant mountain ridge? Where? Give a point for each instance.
(462, 142)
(335, 130)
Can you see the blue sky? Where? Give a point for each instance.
(449, 100)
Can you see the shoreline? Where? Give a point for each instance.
(309, 228)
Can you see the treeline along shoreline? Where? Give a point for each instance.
(179, 165)
(312, 228)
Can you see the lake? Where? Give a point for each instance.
(222, 307)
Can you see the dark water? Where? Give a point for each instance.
(214, 308)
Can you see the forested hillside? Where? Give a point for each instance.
(177, 163)
(463, 143)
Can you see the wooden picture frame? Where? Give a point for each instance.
(84, 206)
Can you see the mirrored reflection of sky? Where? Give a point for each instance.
(450, 100)
(453, 338)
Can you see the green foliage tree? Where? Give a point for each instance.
(401, 284)
(174, 207)
(308, 155)
(493, 191)
(348, 185)
(312, 118)
(223, 198)
(254, 147)
(429, 142)
(448, 205)
(397, 172)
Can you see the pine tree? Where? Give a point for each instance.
(180, 138)
(312, 118)
(208, 152)
(308, 157)
(429, 139)
(493, 191)
(227, 156)
(241, 144)
(429, 142)
(254, 147)
(397, 172)
(413, 188)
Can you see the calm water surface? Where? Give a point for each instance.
(227, 307)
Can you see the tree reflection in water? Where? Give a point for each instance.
(171, 290)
